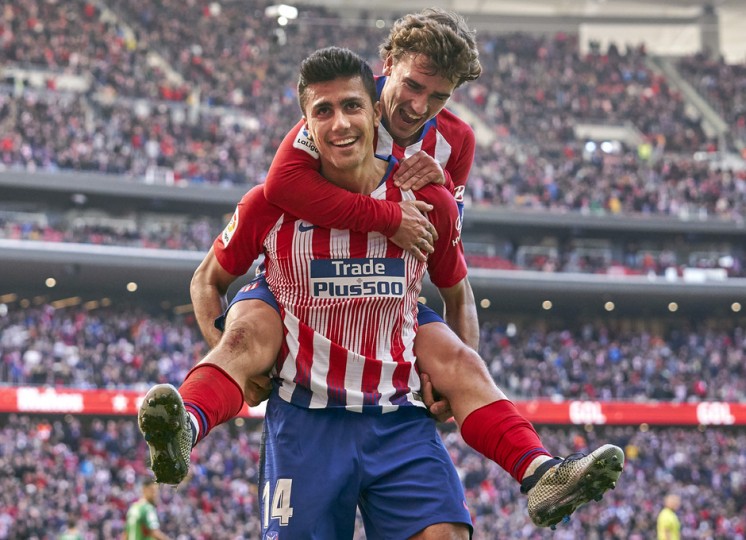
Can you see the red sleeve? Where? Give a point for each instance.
(446, 265)
(449, 185)
(459, 164)
(242, 240)
(294, 184)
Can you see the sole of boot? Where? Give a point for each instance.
(161, 420)
(600, 476)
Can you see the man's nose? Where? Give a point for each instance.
(341, 121)
(419, 105)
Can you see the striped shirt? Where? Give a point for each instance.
(348, 300)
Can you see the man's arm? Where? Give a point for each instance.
(208, 289)
(294, 184)
(157, 534)
(231, 256)
(460, 312)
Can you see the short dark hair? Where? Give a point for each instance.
(148, 481)
(333, 63)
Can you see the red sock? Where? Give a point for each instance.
(211, 395)
(500, 433)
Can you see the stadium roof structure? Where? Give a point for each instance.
(584, 8)
(672, 26)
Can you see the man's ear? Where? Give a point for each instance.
(388, 64)
(308, 131)
(377, 113)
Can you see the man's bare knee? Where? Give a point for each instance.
(252, 338)
(251, 319)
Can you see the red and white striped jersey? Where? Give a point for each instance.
(348, 300)
(294, 183)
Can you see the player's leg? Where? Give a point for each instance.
(409, 481)
(443, 531)
(492, 425)
(214, 390)
(309, 479)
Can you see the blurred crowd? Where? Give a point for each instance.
(598, 361)
(723, 85)
(88, 469)
(206, 92)
(129, 347)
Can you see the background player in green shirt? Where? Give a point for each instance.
(71, 532)
(142, 517)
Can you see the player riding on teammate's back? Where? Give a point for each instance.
(413, 89)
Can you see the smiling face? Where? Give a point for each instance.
(342, 120)
(411, 96)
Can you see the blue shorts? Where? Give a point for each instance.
(257, 289)
(320, 464)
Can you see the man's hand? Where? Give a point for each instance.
(417, 171)
(257, 389)
(415, 233)
(438, 406)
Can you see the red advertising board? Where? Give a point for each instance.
(45, 400)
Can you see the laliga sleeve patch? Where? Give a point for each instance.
(227, 233)
(458, 193)
(302, 142)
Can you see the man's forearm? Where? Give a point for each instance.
(208, 305)
(460, 313)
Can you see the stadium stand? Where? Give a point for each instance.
(47, 459)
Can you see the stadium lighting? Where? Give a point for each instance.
(50, 282)
(546, 305)
(609, 306)
(131, 286)
(281, 11)
(735, 307)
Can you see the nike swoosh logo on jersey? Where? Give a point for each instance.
(305, 228)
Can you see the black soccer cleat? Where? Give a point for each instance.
(164, 422)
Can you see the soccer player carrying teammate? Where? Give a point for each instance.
(425, 58)
(343, 427)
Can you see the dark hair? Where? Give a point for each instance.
(333, 63)
(443, 37)
(149, 481)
